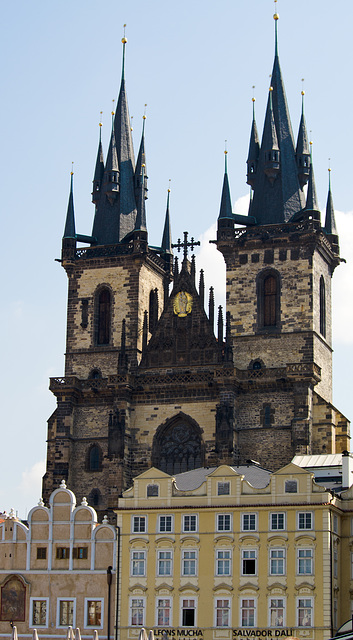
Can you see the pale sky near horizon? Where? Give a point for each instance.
(194, 63)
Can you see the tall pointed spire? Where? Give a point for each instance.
(167, 235)
(311, 196)
(141, 160)
(99, 169)
(125, 151)
(226, 204)
(140, 224)
(70, 231)
(254, 149)
(116, 214)
(276, 200)
(111, 173)
(330, 220)
(302, 152)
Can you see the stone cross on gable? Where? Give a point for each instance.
(185, 244)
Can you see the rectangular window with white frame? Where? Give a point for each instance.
(39, 611)
(305, 520)
(165, 524)
(249, 521)
(164, 562)
(224, 522)
(190, 523)
(139, 524)
(94, 613)
(138, 563)
(164, 612)
(222, 612)
(248, 612)
(137, 612)
(249, 562)
(66, 612)
(189, 562)
(223, 562)
(305, 562)
(277, 562)
(278, 521)
(277, 612)
(188, 612)
(305, 612)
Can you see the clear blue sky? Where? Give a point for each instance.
(194, 64)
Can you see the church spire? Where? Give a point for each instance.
(254, 149)
(141, 160)
(125, 151)
(277, 197)
(115, 216)
(302, 152)
(311, 197)
(140, 224)
(99, 169)
(111, 173)
(70, 231)
(330, 221)
(226, 204)
(167, 234)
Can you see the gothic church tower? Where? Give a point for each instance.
(147, 381)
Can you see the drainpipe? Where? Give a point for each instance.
(109, 582)
(117, 586)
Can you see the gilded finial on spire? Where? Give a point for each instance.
(131, 119)
(124, 41)
(225, 156)
(302, 94)
(253, 101)
(169, 185)
(72, 169)
(329, 174)
(113, 112)
(100, 119)
(276, 17)
(144, 113)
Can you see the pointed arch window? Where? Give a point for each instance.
(322, 307)
(94, 458)
(103, 316)
(268, 300)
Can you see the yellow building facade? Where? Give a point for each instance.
(234, 553)
(55, 571)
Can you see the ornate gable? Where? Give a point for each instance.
(184, 335)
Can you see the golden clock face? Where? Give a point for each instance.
(182, 304)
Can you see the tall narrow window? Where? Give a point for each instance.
(94, 458)
(268, 290)
(322, 307)
(103, 312)
(270, 295)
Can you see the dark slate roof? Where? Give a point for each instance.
(311, 197)
(167, 234)
(254, 145)
(140, 224)
(330, 220)
(70, 231)
(278, 202)
(302, 140)
(226, 203)
(114, 220)
(255, 475)
(99, 170)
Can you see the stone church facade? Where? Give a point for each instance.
(148, 381)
